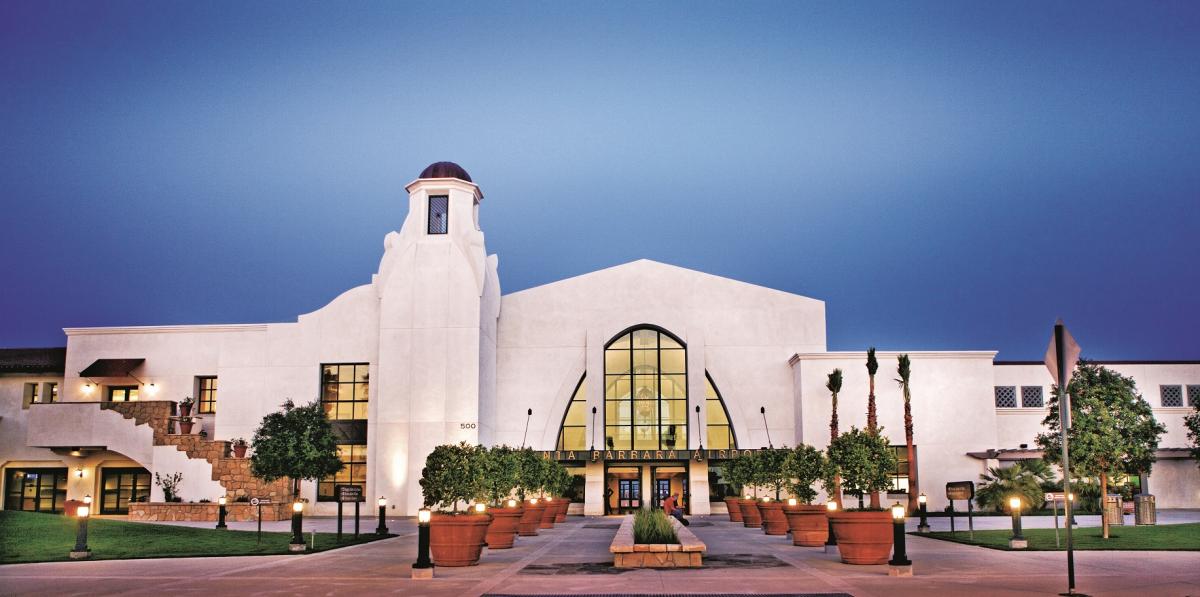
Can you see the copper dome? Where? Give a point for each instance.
(445, 170)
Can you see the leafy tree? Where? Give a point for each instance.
(559, 479)
(1192, 423)
(872, 416)
(1000, 484)
(771, 469)
(453, 473)
(296, 442)
(500, 467)
(531, 473)
(904, 370)
(739, 472)
(834, 385)
(1112, 431)
(864, 460)
(804, 466)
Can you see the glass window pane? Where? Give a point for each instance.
(360, 410)
(643, 412)
(645, 361)
(674, 386)
(645, 387)
(361, 391)
(673, 361)
(345, 373)
(622, 342)
(617, 437)
(574, 438)
(576, 414)
(645, 339)
(714, 414)
(717, 437)
(616, 387)
(668, 342)
(673, 436)
(674, 412)
(645, 438)
(616, 361)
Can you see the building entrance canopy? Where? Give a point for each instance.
(111, 367)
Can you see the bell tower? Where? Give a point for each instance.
(439, 302)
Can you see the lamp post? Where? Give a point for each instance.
(831, 541)
(423, 568)
(923, 526)
(221, 513)
(382, 528)
(1017, 541)
(297, 543)
(81, 551)
(899, 565)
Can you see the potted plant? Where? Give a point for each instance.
(561, 482)
(186, 424)
(185, 406)
(744, 470)
(728, 473)
(804, 466)
(170, 486)
(530, 480)
(499, 480)
(453, 475)
(864, 462)
(239, 447)
(549, 481)
(771, 473)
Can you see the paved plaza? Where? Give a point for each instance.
(573, 559)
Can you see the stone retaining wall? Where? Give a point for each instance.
(234, 512)
(688, 553)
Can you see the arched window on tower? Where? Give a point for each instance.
(572, 434)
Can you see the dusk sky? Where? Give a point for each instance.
(944, 176)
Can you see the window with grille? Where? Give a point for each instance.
(344, 391)
(439, 214)
(1031, 397)
(899, 476)
(1006, 396)
(1193, 395)
(207, 394)
(645, 392)
(354, 472)
(1171, 395)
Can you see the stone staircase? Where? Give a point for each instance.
(232, 473)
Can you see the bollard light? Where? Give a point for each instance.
(297, 526)
(831, 541)
(792, 501)
(221, 501)
(424, 567)
(87, 499)
(1017, 541)
(480, 508)
(511, 503)
(902, 566)
(533, 500)
(81, 550)
(923, 506)
(382, 528)
(766, 499)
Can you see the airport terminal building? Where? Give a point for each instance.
(642, 378)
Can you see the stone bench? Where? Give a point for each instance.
(688, 553)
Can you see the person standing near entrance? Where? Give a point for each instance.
(608, 493)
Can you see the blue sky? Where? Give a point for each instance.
(944, 175)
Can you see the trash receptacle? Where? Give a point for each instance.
(1143, 509)
(1112, 510)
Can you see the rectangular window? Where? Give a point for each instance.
(206, 394)
(121, 486)
(1031, 397)
(30, 395)
(1006, 396)
(344, 390)
(900, 475)
(52, 394)
(439, 214)
(122, 393)
(1172, 396)
(354, 472)
(35, 490)
(1193, 395)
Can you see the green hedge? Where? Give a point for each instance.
(653, 526)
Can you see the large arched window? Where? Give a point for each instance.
(645, 392)
(720, 434)
(572, 435)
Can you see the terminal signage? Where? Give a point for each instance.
(960, 490)
(349, 493)
(640, 455)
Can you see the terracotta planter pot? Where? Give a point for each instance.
(751, 518)
(808, 524)
(503, 530)
(774, 522)
(563, 504)
(531, 518)
(457, 540)
(185, 427)
(863, 537)
(735, 511)
(185, 411)
(239, 451)
(549, 514)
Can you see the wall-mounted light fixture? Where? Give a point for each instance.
(151, 389)
(88, 388)
(79, 473)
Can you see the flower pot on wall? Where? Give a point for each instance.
(503, 530)
(774, 522)
(735, 510)
(563, 504)
(457, 539)
(185, 410)
(751, 518)
(549, 514)
(239, 450)
(808, 524)
(185, 426)
(863, 537)
(531, 518)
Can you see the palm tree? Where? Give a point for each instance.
(835, 385)
(904, 370)
(872, 419)
(1000, 484)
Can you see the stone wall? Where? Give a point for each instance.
(234, 512)
(155, 413)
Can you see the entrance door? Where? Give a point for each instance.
(629, 494)
(36, 490)
(670, 480)
(121, 486)
(662, 491)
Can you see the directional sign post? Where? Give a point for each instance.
(259, 503)
(1061, 357)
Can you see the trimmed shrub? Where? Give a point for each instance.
(653, 526)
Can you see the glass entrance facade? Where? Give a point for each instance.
(645, 392)
(120, 486)
(35, 490)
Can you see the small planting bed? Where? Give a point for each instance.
(686, 552)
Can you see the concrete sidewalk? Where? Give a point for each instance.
(573, 558)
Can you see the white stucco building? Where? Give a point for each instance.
(429, 351)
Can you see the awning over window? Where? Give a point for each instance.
(111, 368)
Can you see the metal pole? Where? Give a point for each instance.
(1064, 421)
(593, 429)
(528, 414)
(951, 517)
(763, 410)
(970, 519)
(339, 525)
(356, 503)
(1056, 543)
(260, 522)
(81, 545)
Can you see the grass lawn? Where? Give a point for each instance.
(1169, 537)
(32, 537)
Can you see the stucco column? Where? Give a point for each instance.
(695, 385)
(698, 487)
(593, 493)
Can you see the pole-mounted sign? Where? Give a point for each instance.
(1061, 357)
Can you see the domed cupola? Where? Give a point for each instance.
(445, 170)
